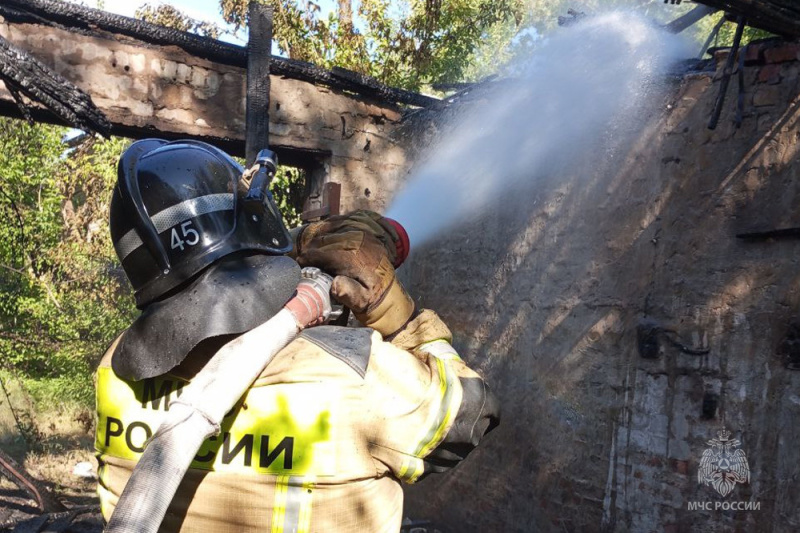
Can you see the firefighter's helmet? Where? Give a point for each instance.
(202, 267)
(177, 208)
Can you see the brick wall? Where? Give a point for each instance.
(545, 294)
(148, 90)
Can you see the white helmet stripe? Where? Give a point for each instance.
(173, 215)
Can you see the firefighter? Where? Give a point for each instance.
(323, 438)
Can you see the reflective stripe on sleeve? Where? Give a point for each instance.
(449, 400)
(440, 349)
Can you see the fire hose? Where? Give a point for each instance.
(197, 414)
(214, 391)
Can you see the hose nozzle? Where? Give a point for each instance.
(266, 165)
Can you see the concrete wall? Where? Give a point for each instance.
(148, 90)
(544, 294)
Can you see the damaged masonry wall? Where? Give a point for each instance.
(544, 295)
(148, 90)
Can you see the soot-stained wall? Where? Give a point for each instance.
(147, 90)
(544, 294)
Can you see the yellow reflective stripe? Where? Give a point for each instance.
(445, 411)
(291, 512)
(413, 467)
(441, 349)
(279, 505)
(304, 520)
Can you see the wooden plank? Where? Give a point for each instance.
(781, 17)
(77, 17)
(259, 51)
(164, 91)
(689, 19)
(24, 74)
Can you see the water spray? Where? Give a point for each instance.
(562, 102)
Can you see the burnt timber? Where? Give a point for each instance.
(781, 17)
(150, 81)
(25, 75)
(74, 16)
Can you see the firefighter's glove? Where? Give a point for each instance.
(364, 278)
(362, 220)
(311, 303)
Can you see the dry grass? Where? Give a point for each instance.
(49, 442)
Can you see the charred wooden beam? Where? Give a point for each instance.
(259, 52)
(726, 74)
(689, 19)
(68, 16)
(781, 17)
(26, 75)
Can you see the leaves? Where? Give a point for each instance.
(405, 44)
(288, 188)
(62, 295)
(171, 17)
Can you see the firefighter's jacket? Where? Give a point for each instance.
(319, 441)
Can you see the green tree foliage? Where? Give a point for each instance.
(726, 32)
(414, 44)
(407, 43)
(63, 297)
(288, 187)
(172, 17)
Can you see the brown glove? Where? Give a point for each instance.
(364, 278)
(362, 220)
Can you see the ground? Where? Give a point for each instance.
(59, 439)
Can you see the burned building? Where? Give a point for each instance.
(627, 314)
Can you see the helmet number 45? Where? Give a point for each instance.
(190, 237)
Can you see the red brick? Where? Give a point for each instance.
(681, 467)
(780, 54)
(770, 74)
(754, 54)
(721, 56)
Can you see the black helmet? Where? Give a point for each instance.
(177, 208)
(177, 223)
